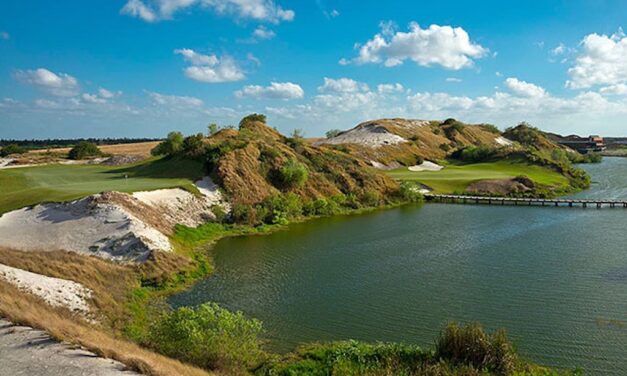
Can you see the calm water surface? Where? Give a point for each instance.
(555, 278)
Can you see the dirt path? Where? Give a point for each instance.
(25, 352)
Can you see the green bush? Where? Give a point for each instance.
(475, 154)
(293, 174)
(279, 209)
(170, 146)
(409, 192)
(193, 146)
(490, 128)
(471, 345)
(252, 118)
(333, 133)
(523, 133)
(11, 149)
(84, 149)
(210, 337)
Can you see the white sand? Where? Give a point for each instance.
(425, 166)
(83, 226)
(371, 134)
(114, 226)
(56, 292)
(5, 162)
(503, 141)
(181, 206)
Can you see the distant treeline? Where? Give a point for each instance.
(70, 142)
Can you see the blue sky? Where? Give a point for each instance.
(139, 68)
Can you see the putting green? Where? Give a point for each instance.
(26, 186)
(456, 177)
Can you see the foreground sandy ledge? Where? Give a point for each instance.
(27, 351)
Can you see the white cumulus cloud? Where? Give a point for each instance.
(601, 61)
(175, 100)
(259, 10)
(524, 89)
(58, 84)
(261, 32)
(618, 89)
(342, 85)
(390, 88)
(276, 90)
(210, 68)
(447, 46)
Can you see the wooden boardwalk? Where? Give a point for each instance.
(584, 203)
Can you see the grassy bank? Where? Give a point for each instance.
(456, 177)
(56, 183)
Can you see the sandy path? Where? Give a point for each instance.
(55, 291)
(26, 352)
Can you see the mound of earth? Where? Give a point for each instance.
(112, 225)
(501, 187)
(248, 165)
(391, 143)
(371, 134)
(119, 160)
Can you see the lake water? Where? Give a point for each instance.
(555, 278)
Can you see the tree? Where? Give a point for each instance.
(213, 129)
(172, 144)
(84, 149)
(11, 149)
(298, 134)
(251, 118)
(333, 133)
(193, 146)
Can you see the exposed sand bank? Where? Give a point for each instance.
(111, 225)
(55, 291)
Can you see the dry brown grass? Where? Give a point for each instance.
(25, 309)
(110, 283)
(139, 148)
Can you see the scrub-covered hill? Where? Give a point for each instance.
(265, 174)
(391, 143)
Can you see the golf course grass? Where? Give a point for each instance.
(56, 183)
(456, 177)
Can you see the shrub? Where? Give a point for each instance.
(170, 146)
(333, 133)
(252, 118)
(293, 174)
(409, 192)
(84, 149)
(208, 336)
(523, 133)
(279, 209)
(490, 128)
(371, 198)
(471, 345)
(11, 149)
(193, 146)
(212, 129)
(475, 153)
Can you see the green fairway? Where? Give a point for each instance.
(455, 178)
(26, 186)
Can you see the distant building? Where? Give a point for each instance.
(592, 144)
